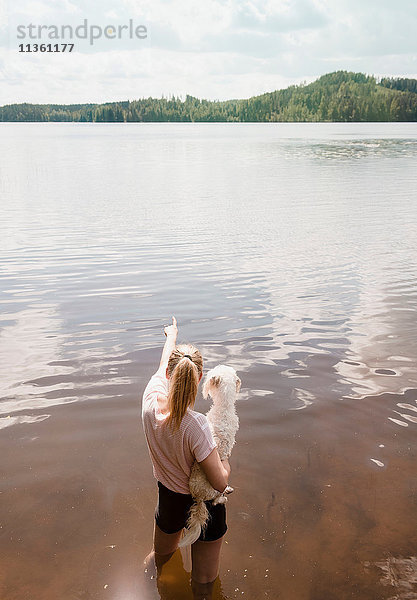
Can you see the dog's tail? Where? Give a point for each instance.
(196, 523)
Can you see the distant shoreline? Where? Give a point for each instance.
(336, 97)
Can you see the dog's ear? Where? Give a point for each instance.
(238, 384)
(213, 382)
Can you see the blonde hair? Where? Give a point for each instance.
(184, 376)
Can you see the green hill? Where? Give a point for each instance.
(339, 96)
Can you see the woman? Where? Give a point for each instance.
(176, 437)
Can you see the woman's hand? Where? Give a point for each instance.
(171, 330)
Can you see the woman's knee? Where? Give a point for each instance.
(206, 559)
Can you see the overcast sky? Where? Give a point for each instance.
(215, 49)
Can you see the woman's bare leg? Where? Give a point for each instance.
(164, 546)
(165, 543)
(206, 560)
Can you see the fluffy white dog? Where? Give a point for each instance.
(223, 385)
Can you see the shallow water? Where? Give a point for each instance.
(284, 250)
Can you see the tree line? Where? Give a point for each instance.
(336, 97)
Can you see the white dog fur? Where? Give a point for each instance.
(223, 385)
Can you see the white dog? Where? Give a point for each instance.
(223, 385)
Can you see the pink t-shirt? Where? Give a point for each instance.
(173, 452)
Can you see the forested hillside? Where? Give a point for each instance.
(339, 96)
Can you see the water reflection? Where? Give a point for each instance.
(362, 149)
(9, 420)
(174, 582)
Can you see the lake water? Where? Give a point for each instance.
(287, 251)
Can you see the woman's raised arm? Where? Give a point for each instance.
(171, 332)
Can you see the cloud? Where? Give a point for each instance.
(119, 75)
(191, 21)
(276, 17)
(372, 28)
(42, 10)
(256, 28)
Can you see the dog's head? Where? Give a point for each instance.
(221, 380)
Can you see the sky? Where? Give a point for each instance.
(214, 49)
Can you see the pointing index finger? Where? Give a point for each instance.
(174, 321)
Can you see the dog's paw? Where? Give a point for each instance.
(220, 500)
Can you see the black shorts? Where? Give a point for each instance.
(172, 513)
